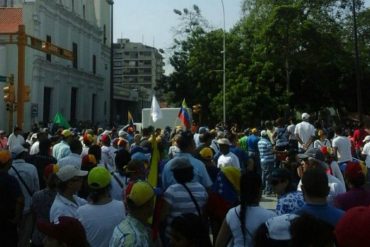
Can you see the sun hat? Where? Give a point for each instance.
(67, 172)
(98, 178)
(67, 133)
(139, 192)
(68, 230)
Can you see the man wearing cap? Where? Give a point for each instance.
(66, 202)
(134, 230)
(62, 149)
(107, 152)
(3, 140)
(101, 214)
(305, 133)
(314, 158)
(226, 158)
(12, 202)
(186, 144)
(15, 138)
(28, 179)
(253, 153)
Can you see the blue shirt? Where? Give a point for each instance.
(242, 156)
(289, 202)
(323, 212)
(253, 143)
(200, 172)
(265, 149)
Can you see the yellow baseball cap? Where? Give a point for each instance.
(98, 178)
(139, 192)
(206, 153)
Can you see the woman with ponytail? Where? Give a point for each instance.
(242, 221)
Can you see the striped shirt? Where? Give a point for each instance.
(265, 149)
(180, 201)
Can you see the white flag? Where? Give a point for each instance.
(155, 110)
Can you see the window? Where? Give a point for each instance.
(48, 56)
(75, 55)
(94, 64)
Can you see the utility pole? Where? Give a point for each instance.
(21, 85)
(357, 62)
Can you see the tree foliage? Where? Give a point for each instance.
(282, 55)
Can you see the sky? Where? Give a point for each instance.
(151, 21)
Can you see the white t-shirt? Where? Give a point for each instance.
(343, 145)
(229, 159)
(35, 148)
(254, 217)
(335, 185)
(366, 151)
(319, 144)
(305, 131)
(64, 207)
(290, 130)
(99, 221)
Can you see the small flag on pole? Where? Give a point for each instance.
(130, 119)
(184, 115)
(155, 110)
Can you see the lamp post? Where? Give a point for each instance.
(224, 66)
(357, 62)
(111, 110)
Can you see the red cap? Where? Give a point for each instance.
(105, 139)
(354, 227)
(69, 231)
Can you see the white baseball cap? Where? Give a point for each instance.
(67, 172)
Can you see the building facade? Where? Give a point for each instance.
(78, 88)
(137, 69)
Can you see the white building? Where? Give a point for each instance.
(78, 89)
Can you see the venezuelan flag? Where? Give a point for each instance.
(184, 115)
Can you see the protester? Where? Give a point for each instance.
(11, 202)
(289, 199)
(3, 140)
(134, 230)
(227, 158)
(315, 191)
(74, 158)
(322, 140)
(333, 167)
(189, 230)
(66, 202)
(356, 195)
(42, 201)
(341, 148)
(15, 139)
(267, 160)
(305, 133)
(242, 221)
(62, 149)
(102, 213)
(68, 232)
(28, 179)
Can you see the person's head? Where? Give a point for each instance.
(321, 134)
(2, 134)
(206, 138)
(182, 170)
(68, 232)
(264, 134)
(366, 139)
(185, 142)
(139, 199)
(99, 182)
(5, 160)
(254, 131)
(88, 162)
(19, 152)
(279, 122)
(206, 155)
(105, 140)
(88, 138)
(121, 159)
(309, 231)
(224, 145)
(137, 138)
(312, 158)
(67, 135)
(281, 181)
(96, 151)
(75, 146)
(305, 117)
(44, 146)
(315, 185)
(354, 175)
(69, 179)
(250, 188)
(49, 175)
(354, 227)
(189, 230)
(338, 130)
(17, 130)
(135, 169)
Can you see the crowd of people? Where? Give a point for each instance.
(95, 187)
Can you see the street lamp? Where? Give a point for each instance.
(111, 111)
(224, 65)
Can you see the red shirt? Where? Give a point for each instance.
(358, 137)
